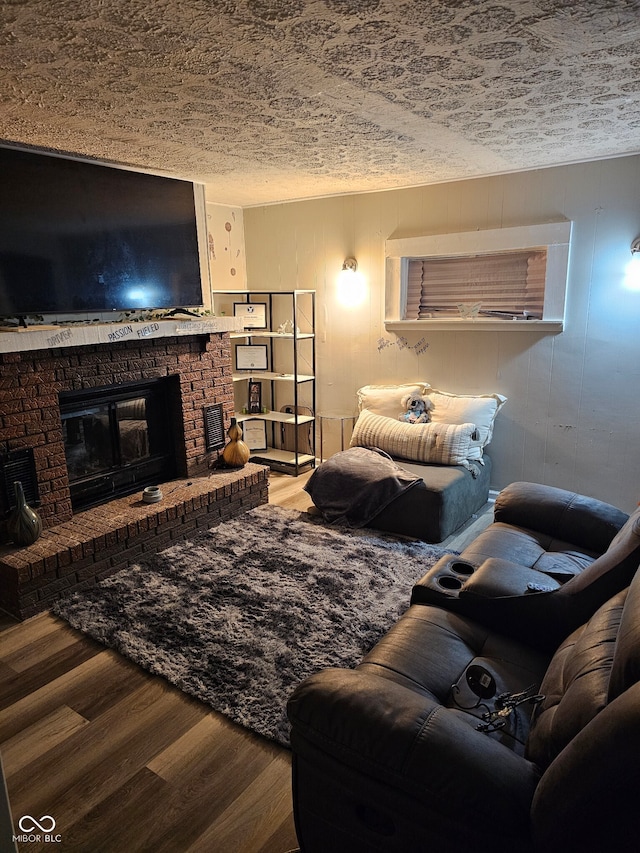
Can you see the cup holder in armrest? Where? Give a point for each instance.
(450, 583)
(446, 579)
(459, 567)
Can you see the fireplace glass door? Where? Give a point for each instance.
(116, 441)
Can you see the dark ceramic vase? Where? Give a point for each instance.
(24, 525)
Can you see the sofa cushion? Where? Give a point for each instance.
(625, 670)
(387, 399)
(589, 523)
(557, 558)
(479, 409)
(576, 684)
(442, 444)
(445, 499)
(614, 569)
(543, 550)
(430, 651)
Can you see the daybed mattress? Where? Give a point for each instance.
(438, 506)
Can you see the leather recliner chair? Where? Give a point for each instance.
(458, 734)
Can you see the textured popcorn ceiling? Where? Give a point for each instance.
(267, 100)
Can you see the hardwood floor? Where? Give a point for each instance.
(122, 761)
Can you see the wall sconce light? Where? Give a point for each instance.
(632, 270)
(351, 286)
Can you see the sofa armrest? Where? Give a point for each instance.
(453, 577)
(406, 740)
(497, 578)
(497, 595)
(586, 522)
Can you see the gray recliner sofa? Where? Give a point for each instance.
(493, 720)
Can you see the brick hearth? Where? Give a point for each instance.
(100, 541)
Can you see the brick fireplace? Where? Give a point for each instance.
(32, 381)
(75, 550)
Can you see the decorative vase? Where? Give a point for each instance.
(24, 525)
(236, 453)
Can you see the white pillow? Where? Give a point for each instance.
(480, 409)
(442, 444)
(387, 399)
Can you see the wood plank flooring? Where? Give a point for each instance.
(125, 762)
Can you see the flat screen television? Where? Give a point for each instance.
(77, 236)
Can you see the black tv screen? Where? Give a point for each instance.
(81, 237)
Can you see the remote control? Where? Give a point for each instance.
(538, 587)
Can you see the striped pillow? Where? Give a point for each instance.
(442, 444)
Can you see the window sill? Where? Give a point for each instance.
(477, 325)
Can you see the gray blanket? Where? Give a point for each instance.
(355, 485)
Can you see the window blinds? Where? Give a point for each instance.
(505, 285)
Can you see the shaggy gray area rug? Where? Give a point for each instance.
(238, 615)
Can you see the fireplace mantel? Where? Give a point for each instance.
(81, 334)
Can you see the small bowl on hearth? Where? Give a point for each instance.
(152, 494)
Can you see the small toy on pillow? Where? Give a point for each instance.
(416, 409)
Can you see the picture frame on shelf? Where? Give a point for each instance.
(255, 434)
(251, 357)
(254, 403)
(253, 314)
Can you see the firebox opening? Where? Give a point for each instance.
(117, 439)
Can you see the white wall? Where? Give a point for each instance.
(225, 230)
(574, 403)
